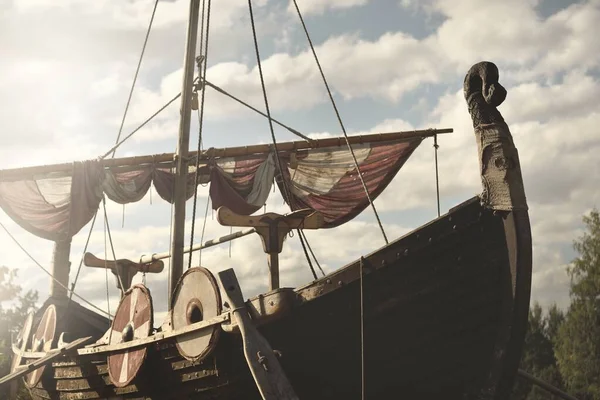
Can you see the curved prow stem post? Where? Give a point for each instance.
(503, 194)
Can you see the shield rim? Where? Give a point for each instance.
(216, 330)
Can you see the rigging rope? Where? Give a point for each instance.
(218, 89)
(287, 193)
(362, 318)
(202, 75)
(111, 244)
(264, 90)
(362, 328)
(437, 176)
(150, 118)
(312, 269)
(87, 242)
(136, 75)
(170, 254)
(203, 230)
(106, 265)
(114, 149)
(337, 113)
(50, 274)
(312, 253)
(201, 42)
(224, 92)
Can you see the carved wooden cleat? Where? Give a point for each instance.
(272, 229)
(123, 269)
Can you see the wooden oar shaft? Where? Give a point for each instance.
(166, 159)
(146, 259)
(47, 359)
(547, 387)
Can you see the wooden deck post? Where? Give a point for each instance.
(60, 268)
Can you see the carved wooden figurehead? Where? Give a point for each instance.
(272, 229)
(498, 157)
(123, 269)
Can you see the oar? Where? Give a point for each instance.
(22, 370)
(262, 361)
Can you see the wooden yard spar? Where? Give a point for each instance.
(165, 160)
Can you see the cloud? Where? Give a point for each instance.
(318, 7)
(519, 37)
(293, 82)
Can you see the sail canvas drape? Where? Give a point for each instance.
(57, 208)
(326, 180)
(322, 179)
(54, 208)
(242, 185)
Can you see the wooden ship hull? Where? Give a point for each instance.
(444, 313)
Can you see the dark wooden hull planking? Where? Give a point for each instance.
(444, 313)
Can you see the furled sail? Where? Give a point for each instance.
(323, 179)
(46, 207)
(56, 206)
(327, 180)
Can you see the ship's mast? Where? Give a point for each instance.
(181, 157)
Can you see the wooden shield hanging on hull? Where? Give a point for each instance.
(133, 320)
(42, 341)
(196, 298)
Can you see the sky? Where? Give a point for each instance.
(67, 67)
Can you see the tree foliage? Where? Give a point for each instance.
(14, 307)
(538, 356)
(564, 349)
(578, 347)
(585, 269)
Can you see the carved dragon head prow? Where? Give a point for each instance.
(498, 158)
(484, 93)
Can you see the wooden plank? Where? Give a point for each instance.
(51, 356)
(156, 337)
(262, 361)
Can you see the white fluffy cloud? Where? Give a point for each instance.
(320, 6)
(396, 63)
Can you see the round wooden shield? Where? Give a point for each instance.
(133, 320)
(22, 341)
(196, 298)
(42, 341)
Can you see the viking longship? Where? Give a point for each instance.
(439, 313)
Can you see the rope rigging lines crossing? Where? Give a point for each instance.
(202, 61)
(28, 254)
(137, 71)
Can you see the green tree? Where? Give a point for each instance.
(578, 343)
(538, 353)
(13, 310)
(554, 320)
